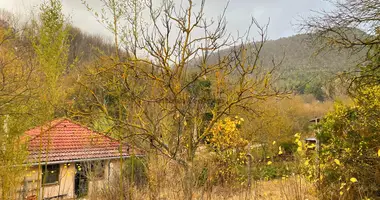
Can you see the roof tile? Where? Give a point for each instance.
(65, 140)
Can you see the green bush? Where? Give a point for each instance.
(289, 147)
(273, 171)
(349, 158)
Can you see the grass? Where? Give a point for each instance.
(293, 188)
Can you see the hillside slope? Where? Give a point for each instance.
(304, 68)
(300, 56)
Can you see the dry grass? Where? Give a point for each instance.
(166, 183)
(290, 189)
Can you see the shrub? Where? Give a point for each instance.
(349, 159)
(135, 171)
(289, 147)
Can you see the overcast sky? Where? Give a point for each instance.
(283, 14)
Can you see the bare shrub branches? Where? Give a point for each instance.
(341, 27)
(191, 75)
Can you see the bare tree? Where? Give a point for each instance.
(353, 25)
(171, 99)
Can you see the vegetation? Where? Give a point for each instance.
(216, 116)
(350, 152)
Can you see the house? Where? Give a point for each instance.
(67, 159)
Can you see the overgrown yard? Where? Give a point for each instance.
(290, 189)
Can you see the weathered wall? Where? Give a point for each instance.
(65, 186)
(110, 168)
(67, 180)
(97, 183)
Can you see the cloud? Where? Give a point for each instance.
(282, 13)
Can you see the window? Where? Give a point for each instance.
(50, 174)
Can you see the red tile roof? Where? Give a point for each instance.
(64, 140)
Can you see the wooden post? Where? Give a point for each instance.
(249, 182)
(317, 160)
(24, 191)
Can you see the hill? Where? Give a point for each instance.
(305, 67)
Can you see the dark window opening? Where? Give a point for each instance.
(81, 181)
(50, 174)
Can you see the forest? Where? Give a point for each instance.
(217, 116)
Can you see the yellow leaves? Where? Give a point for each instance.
(340, 193)
(274, 142)
(337, 162)
(378, 153)
(298, 142)
(311, 146)
(353, 180)
(226, 134)
(280, 151)
(269, 162)
(306, 163)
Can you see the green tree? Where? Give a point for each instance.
(50, 41)
(350, 134)
(350, 138)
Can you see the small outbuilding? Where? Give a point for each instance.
(67, 159)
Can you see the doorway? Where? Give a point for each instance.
(81, 181)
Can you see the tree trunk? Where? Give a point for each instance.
(188, 183)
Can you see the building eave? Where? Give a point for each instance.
(82, 160)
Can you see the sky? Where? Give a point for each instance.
(284, 15)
